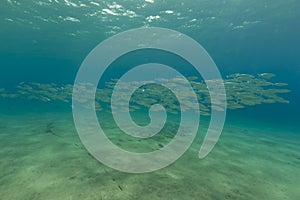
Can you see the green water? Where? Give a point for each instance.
(253, 43)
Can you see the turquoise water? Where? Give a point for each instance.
(253, 43)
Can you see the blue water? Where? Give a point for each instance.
(47, 41)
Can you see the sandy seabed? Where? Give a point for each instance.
(43, 158)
